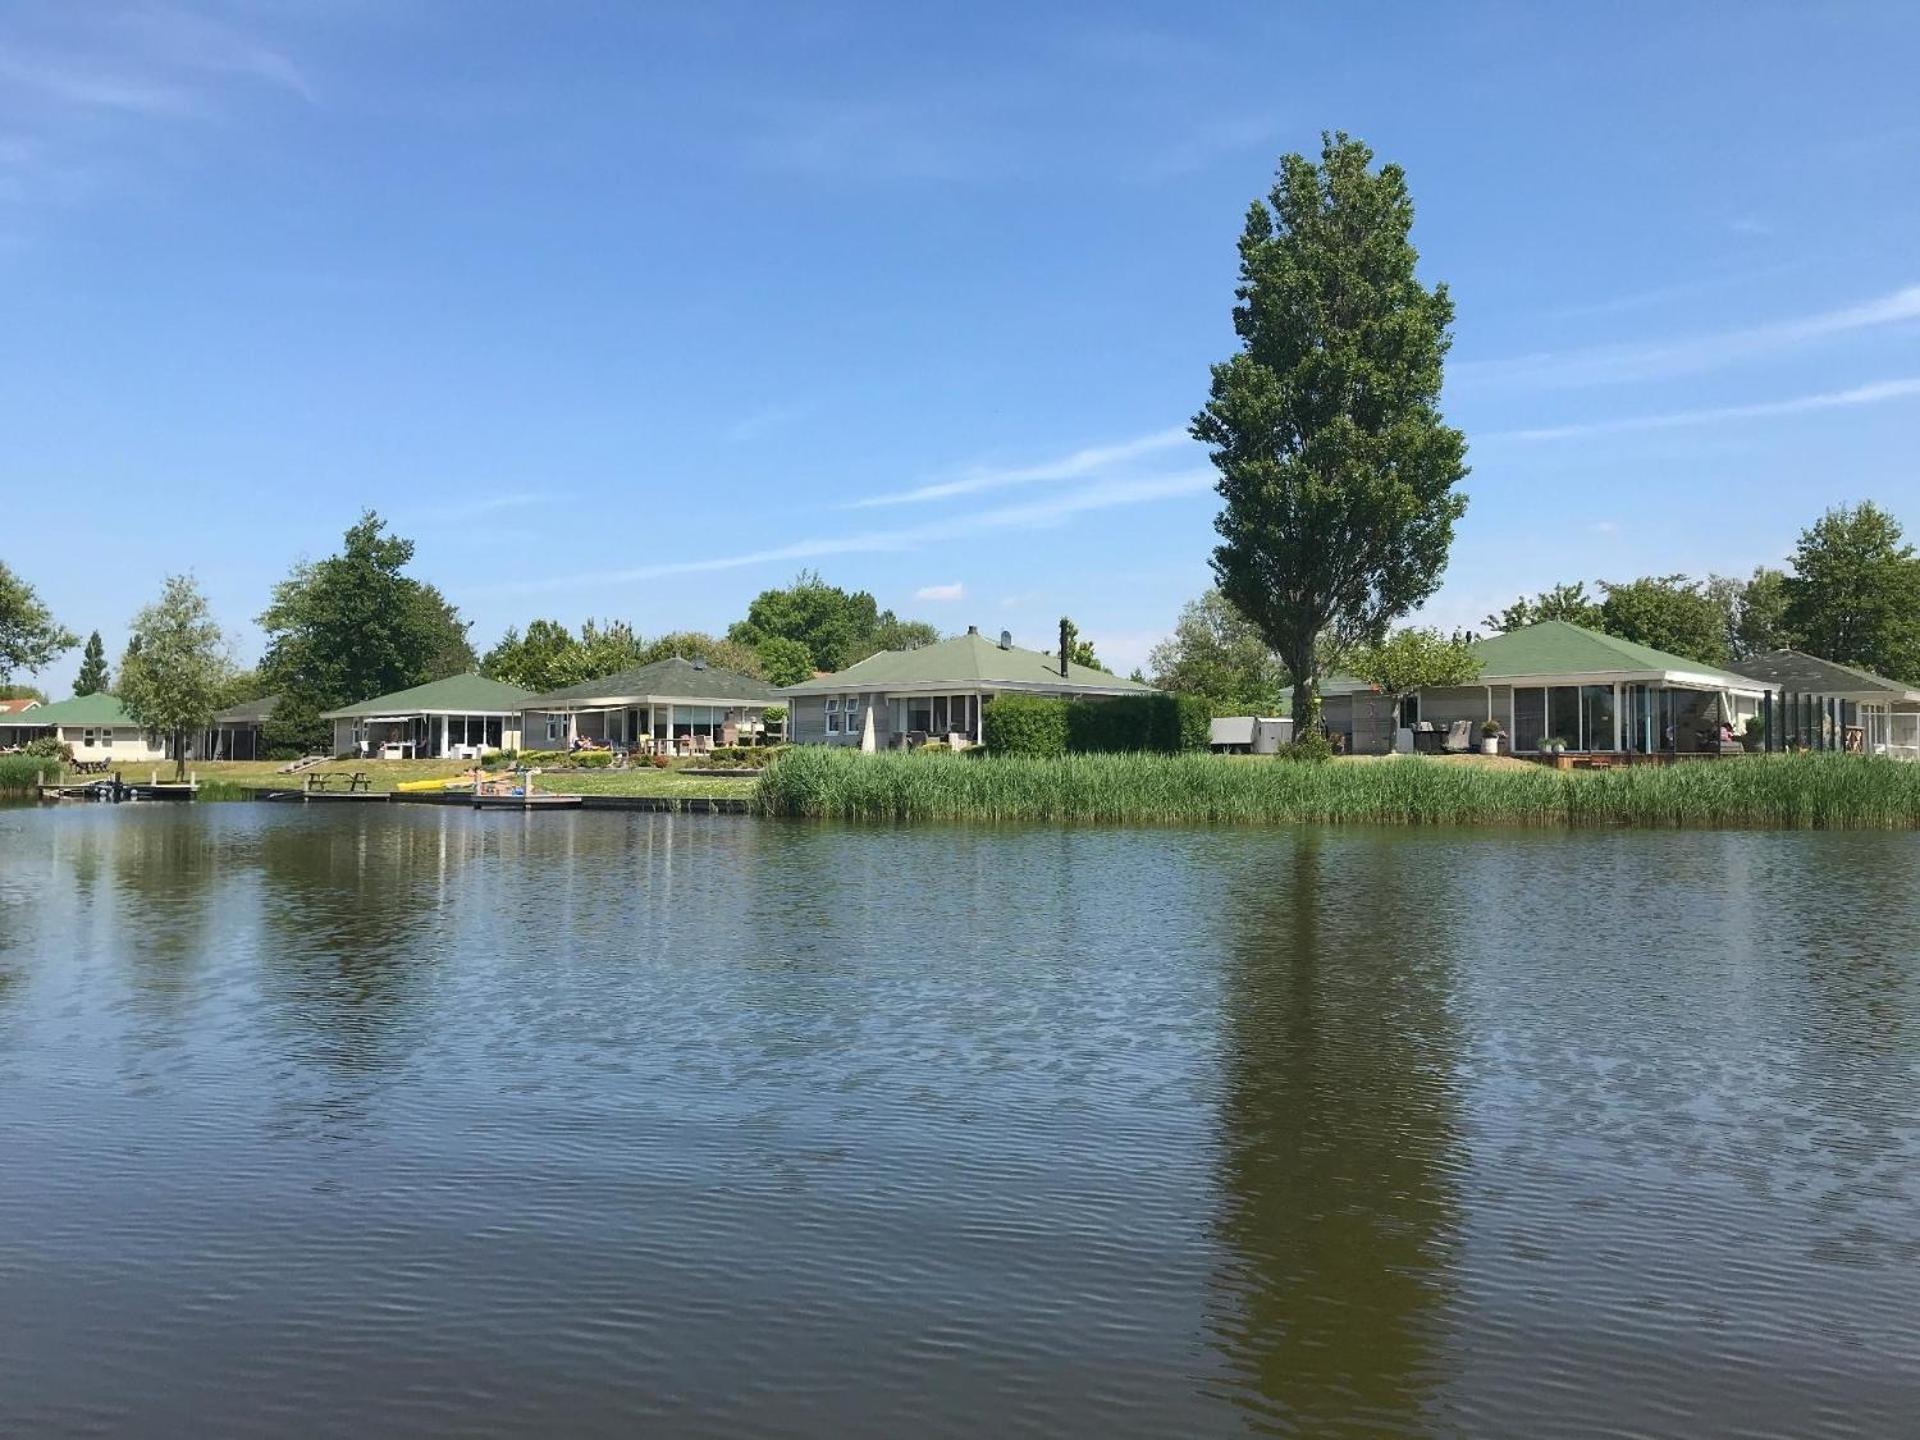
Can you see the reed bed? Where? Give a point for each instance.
(20, 775)
(1805, 791)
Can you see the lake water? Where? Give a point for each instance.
(340, 1121)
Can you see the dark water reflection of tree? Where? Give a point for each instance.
(1341, 1145)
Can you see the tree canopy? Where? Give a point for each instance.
(1668, 612)
(1415, 658)
(94, 677)
(1854, 594)
(837, 627)
(353, 626)
(1336, 469)
(1217, 652)
(548, 656)
(174, 674)
(1570, 603)
(29, 638)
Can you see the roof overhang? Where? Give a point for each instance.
(952, 687)
(625, 702)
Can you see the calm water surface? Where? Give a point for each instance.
(336, 1121)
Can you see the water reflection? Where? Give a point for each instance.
(1341, 1141)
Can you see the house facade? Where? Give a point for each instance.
(1823, 704)
(97, 727)
(1560, 682)
(669, 702)
(902, 697)
(235, 732)
(462, 715)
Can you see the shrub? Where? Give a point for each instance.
(1024, 725)
(1313, 747)
(48, 747)
(660, 762)
(1756, 733)
(753, 756)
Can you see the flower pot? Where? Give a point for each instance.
(1490, 745)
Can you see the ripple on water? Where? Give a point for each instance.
(342, 1122)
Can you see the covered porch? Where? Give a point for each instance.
(421, 737)
(646, 727)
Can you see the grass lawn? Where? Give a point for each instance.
(645, 780)
(266, 774)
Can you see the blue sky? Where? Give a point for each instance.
(633, 311)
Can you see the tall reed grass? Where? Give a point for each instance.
(1802, 791)
(21, 774)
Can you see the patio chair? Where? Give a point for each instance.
(1459, 737)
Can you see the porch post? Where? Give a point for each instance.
(1619, 700)
(443, 735)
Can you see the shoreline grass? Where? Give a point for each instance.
(1778, 792)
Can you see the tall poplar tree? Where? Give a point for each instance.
(1336, 469)
(94, 678)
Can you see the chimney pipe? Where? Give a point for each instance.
(973, 629)
(1066, 643)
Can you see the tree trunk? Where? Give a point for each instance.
(179, 755)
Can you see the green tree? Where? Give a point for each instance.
(892, 633)
(1668, 612)
(1570, 603)
(1416, 658)
(94, 678)
(545, 658)
(176, 667)
(836, 626)
(29, 639)
(1217, 652)
(1336, 469)
(784, 661)
(1752, 611)
(353, 626)
(1854, 594)
(23, 692)
(607, 648)
(720, 652)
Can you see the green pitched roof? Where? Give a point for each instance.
(1555, 647)
(457, 694)
(248, 712)
(965, 660)
(1793, 670)
(665, 678)
(80, 710)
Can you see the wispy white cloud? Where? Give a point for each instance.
(1618, 364)
(758, 422)
(1076, 466)
(1667, 294)
(1030, 516)
(955, 591)
(85, 90)
(1877, 393)
(1750, 225)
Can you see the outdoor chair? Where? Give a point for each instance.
(1459, 737)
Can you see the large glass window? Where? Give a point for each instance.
(1563, 715)
(1529, 718)
(1596, 717)
(920, 714)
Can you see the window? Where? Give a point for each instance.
(853, 704)
(106, 739)
(833, 705)
(1563, 715)
(1596, 717)
(492, 732)
(833, 718)
(553, 727)
(1409, 710)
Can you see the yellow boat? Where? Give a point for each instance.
(458, 782)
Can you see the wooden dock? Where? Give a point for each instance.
(114, 789)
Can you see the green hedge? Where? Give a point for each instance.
(1024, 725)
(1033, 725)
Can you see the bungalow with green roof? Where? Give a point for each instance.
(1824, 702)
(463, 715)
(96, 726)
(1558, 681)
(936, 691)
(671, 702)
(235, 732)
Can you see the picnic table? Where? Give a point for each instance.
(323, 782)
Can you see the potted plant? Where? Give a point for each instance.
(1489, 737)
